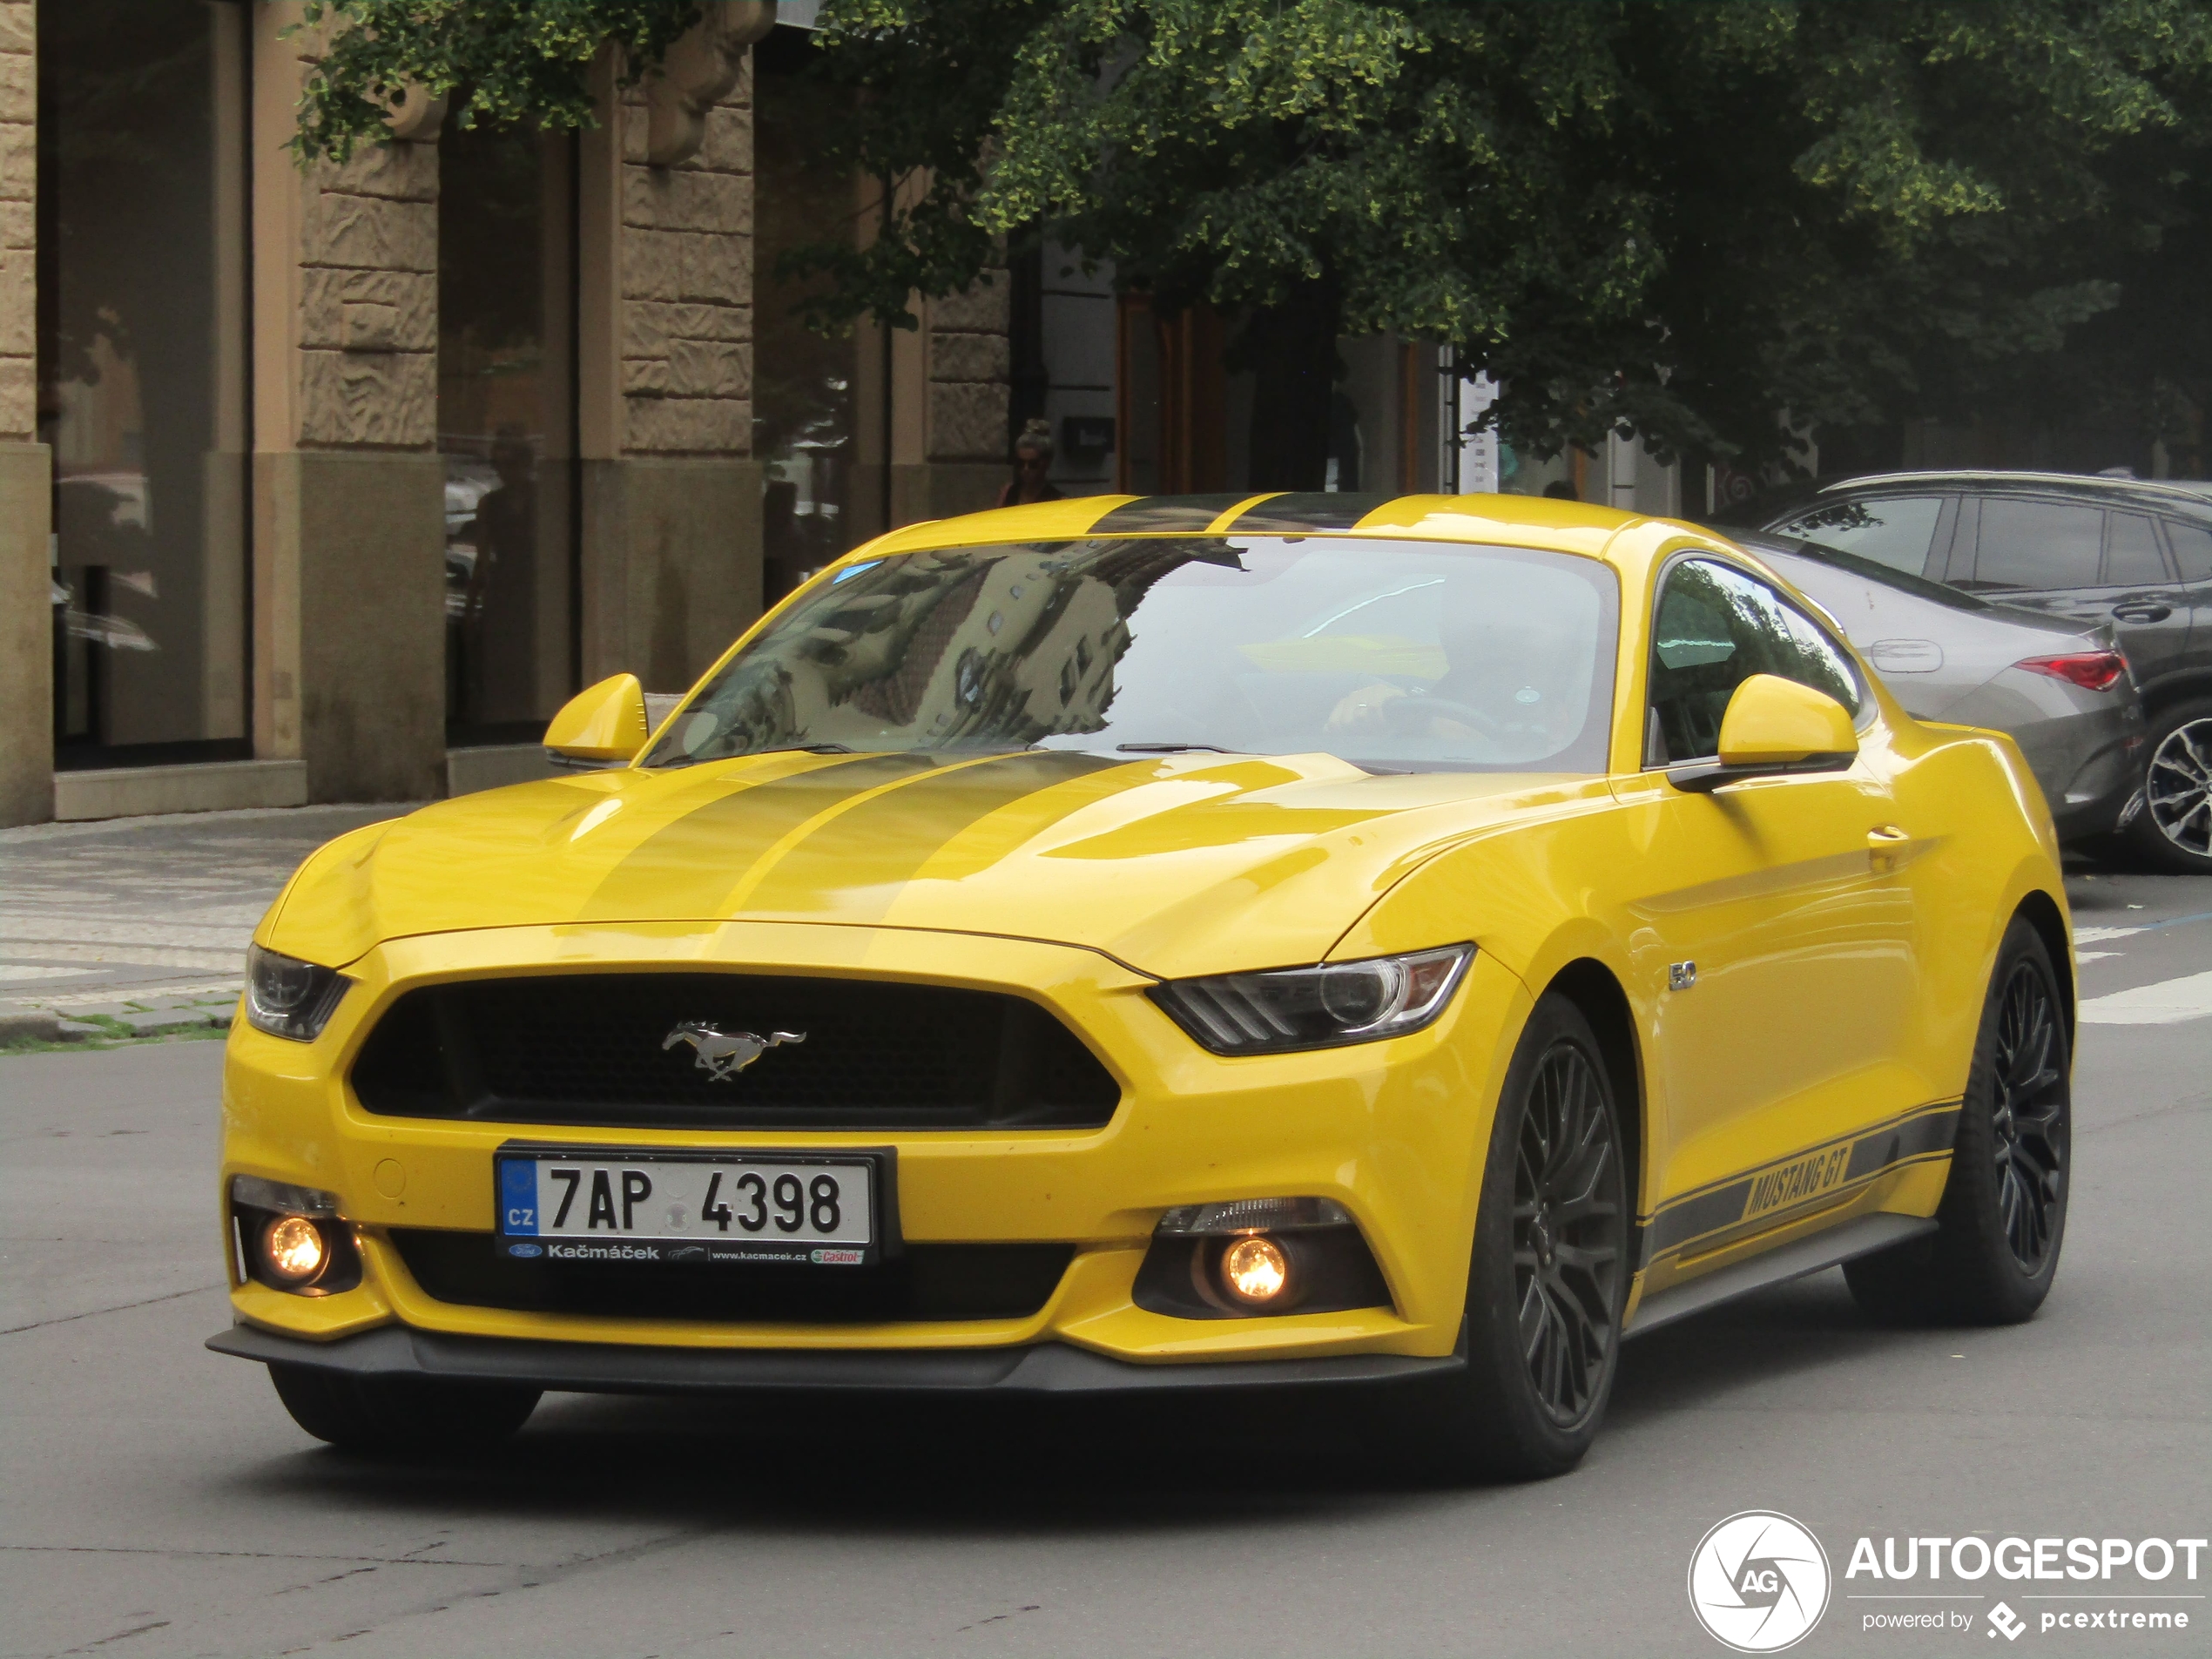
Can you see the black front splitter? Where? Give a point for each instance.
(610, 1368)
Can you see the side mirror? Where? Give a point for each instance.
(1774, 726)
(600, 725)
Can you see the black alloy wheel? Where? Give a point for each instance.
(1995, 1249)
(2171, 830)
(1567, 1234)
(2028, 1116)
(1548, 1272)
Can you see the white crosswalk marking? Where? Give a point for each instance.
(2165, 1003)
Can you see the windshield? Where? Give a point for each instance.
(1395, 656)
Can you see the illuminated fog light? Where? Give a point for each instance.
(1255, 1270)
(294, 1247)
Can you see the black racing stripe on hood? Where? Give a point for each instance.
(1160, 513)
(895, 834)
(689, 866)
(1289, 515)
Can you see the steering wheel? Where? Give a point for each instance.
(1407, 714)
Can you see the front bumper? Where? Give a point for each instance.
(1392, 1130)
(602, 1368)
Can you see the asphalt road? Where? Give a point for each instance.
(154, 1499)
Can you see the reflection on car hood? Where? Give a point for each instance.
(1173, 865)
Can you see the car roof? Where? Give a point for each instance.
(1790, 556)
(1538, 521)
(2191, 496)
(1764, 542)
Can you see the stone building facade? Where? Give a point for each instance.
(331, 485)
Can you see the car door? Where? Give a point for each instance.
(2190, 541)
(2072, 559)
(1771, 928)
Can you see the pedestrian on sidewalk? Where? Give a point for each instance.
(1032, 461)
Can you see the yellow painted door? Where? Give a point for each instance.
(1800, 960)
(1767, 927)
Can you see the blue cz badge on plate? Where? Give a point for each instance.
(518, 1198)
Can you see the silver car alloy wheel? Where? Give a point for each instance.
(2178, 790)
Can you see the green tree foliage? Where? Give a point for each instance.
(511, 61)
(1669, 217)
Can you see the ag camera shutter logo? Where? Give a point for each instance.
(1759, 1581)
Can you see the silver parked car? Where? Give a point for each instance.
(2061, 689)
(2130, 552)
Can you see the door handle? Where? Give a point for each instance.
(1885, 844)
(2142, 613)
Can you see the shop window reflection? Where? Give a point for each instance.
(803, 382)
(506, 425)
(141, 371)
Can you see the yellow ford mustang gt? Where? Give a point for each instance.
(1167, 943)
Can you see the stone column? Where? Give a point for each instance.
(348, 490)
(26, 488)
(671, 491)
(946, 429)
(968, 454)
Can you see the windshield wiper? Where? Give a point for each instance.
(1172, 748)
(801, 748)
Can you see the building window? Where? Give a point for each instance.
(141, 273)
(507, 410)
(804, 382)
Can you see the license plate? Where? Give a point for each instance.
(616, 1206)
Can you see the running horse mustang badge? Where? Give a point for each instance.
(722, 1054)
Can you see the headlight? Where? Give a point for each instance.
(1316, 1008)
(289, 998)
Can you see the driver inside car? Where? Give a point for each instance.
(1499, 686)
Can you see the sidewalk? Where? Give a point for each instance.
(121, 919)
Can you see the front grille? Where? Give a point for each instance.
(597, 1051)
(927, 1282)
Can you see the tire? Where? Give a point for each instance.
(1541, 1336)
(399, 1416)
(1995, 1249)
(2172, 830)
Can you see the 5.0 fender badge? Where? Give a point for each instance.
(722, 1054)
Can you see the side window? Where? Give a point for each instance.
(1895, 530)
(2192, 549)
(2038, 545)
(2132, 558)
(1714, 629)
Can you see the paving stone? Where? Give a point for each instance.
(76, 1030)
(31, 1025)
(164, 1020)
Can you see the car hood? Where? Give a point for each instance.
(1172, 866)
